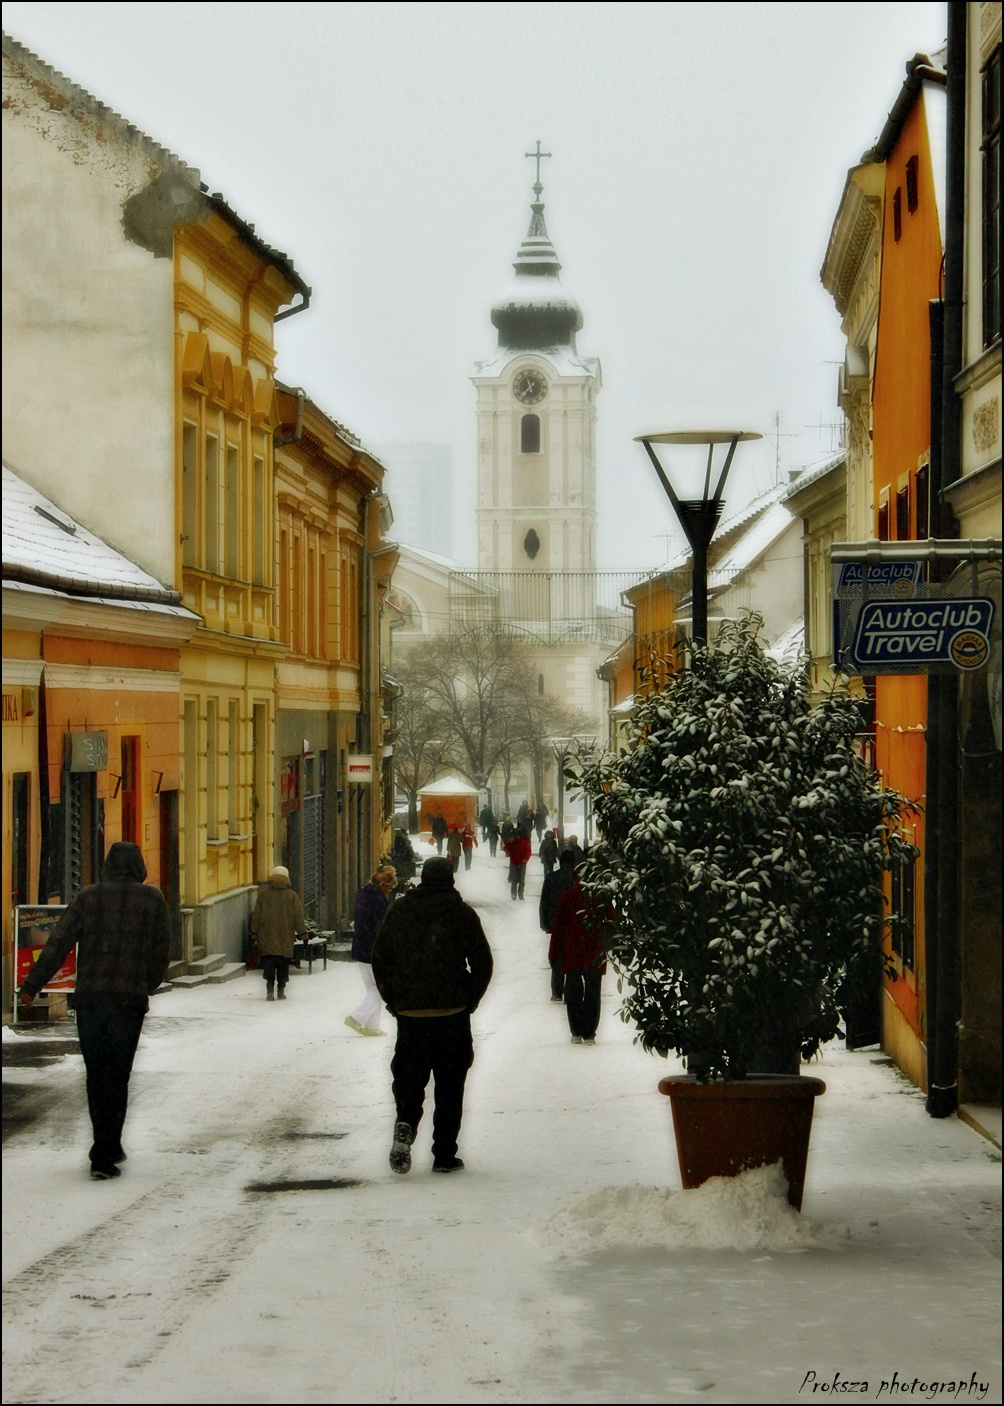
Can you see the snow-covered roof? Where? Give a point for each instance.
(448, 786)
(813, 473)
(753, 543)
(43, 546)
(449, 563)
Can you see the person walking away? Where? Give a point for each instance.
(508, 830)
(455, 846)
(548, 852)
(554, 886)
(521, 815)
(493, 836)
(576, 849)
(519, 851)
(122, 934)
(486, 819)
(372, 902)
(469, 841)
(440, 830)
(576, 946)
(432, 965)
(540, 822)
(277, 921)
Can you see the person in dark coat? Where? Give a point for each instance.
(548, 852)
(540, 821)
(372, 902)
(403, 856)
(493, 836)
(572, 844)
(277, 921)
(519, 851)
(575, 944)
(440, 830)
(508, 830)
(554, 886)
(455, 846)
(122, 933)
(432, 965)
(486, 819)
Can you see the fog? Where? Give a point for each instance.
(699, 152)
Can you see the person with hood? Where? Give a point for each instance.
(554, 886)
(576, 947)
(440, 829)
(548, 852)
(277, 921)
(432, 965)
(455, 846)
(519, 851)
(372, 902)
(122, 933)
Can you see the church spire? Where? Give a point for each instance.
(535, 312)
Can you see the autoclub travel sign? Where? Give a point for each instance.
(953, 630)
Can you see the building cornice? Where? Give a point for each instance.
(979, 372)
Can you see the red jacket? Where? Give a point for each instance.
(519, 850)
(469, 838)
(574, 942)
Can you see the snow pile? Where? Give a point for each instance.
(745, 1212)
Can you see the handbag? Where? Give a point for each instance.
(253, 960)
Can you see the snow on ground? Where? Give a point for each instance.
(565, 1263)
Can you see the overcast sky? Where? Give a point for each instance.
(699, 152)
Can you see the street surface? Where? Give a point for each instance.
(182, 1282)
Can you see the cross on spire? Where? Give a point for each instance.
(537, 156)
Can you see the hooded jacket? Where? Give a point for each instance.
(277, 920)
(123, 936)
(431, 953)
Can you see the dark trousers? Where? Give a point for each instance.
(275, 969)
(557, 980)
(455, 861)
(108, 1035)
(582, 1001)
(548, 866)
(493, 844)
(439, 844)
(517, 879)
(439, 1045)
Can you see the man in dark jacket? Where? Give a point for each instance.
(576, 945)
(440, 830)
(554, 886)
(123, 938)
(548, 852)
(432, 965)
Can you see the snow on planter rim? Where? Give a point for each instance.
(746, 1212)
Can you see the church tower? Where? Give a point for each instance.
(536, 408)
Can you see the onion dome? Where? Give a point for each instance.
(535, 312)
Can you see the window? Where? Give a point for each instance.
(897, 215)
(903, 514)
(212, 769)
(902, 912)
(190, 494)
(212, 558)
(297, 637)
(529, 434)
(540, 683)
(129, 785)
(923, 499)
(233, 533)
(991, 149)
(911, 184)
(232, 734)
(258, 523)
(284, 610)
(882, 517)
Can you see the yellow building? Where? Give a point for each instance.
(333, 569)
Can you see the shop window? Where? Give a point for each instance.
(902, 910)
(903, 514)
(529, 434)
(190, 494)
(922, 495)
(912, 195)
(991, 151)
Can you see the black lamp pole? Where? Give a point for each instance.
(698, 516)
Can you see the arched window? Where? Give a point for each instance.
(529, 434)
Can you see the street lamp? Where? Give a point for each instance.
(698, 516)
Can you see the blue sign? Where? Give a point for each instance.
(914, 634)
(881, 574)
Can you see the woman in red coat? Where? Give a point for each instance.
(575, 944)
(519, 850)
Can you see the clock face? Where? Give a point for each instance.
(529, 387)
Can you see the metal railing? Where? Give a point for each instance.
(549, 607)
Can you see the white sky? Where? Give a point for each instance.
(699, 154)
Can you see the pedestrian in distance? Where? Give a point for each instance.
(521, 816)
(519, 851)
(432, 965)
(548, 852)
(277, 921)
(507, 831)
(576, 945)
(403, 856)
(493, 836)
(455, 846)
(540, 821)
(372, 902)
(469, 841)
(486, 819)
(440, 829)
(554, 886)
(122, 934)
(572, 843)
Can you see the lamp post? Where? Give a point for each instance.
(698, 516)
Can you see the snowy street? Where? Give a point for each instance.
(180, 1282)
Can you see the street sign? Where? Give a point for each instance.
(900, 577)
(87, 751)
(911, 635)
(360, 770)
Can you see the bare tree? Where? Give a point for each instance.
(423, 737)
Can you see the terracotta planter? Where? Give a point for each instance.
(725, 1127)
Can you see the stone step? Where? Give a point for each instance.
(339, 951)
(175, 969)
(198, 953)
(210, 963)
(228, 972)
(187, 981)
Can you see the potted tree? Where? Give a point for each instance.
(742, 847)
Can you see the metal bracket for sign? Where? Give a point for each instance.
(887, 619)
